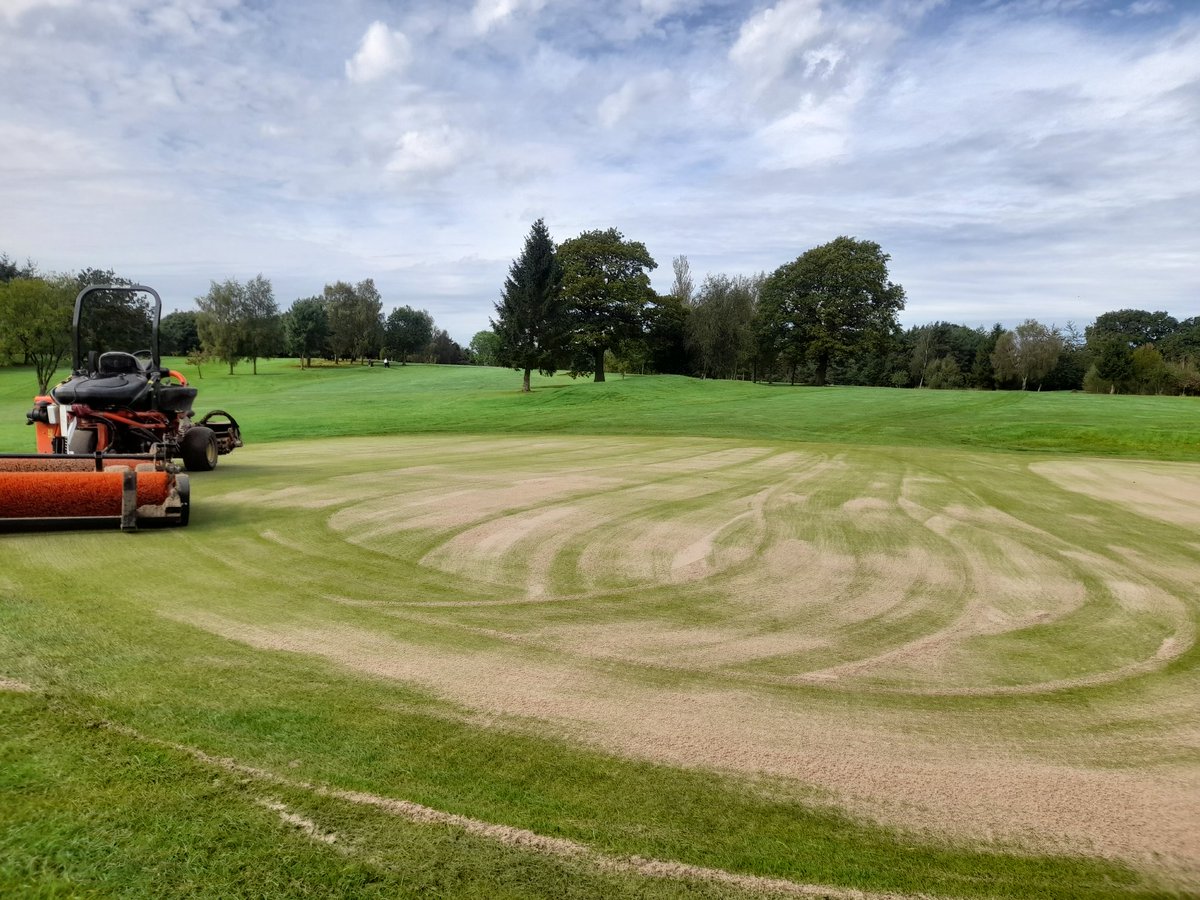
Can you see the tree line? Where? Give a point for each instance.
(234, 321)
(586, 307)
(345, 322)
(829, 316)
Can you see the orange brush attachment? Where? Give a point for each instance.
(63, 490)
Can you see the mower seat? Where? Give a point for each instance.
(115, 362)
(129, 391)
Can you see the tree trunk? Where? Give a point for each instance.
(598, 354)
(822, 369)
(525, 382)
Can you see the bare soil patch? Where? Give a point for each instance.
(872, 764)
(789, 584)
(1167, 491)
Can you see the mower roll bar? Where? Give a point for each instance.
(76, 362)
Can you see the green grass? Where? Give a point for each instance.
(108, 628)
(94, 810)
(284, 402)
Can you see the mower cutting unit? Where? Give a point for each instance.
(107, 437)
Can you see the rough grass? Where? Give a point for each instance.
(686, 648)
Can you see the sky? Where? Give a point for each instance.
(1016, 158)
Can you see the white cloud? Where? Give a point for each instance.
(14, 9)
(487, 14)
(380, 52)
(634, 96)
(1146, 8)
(770, 41)
(433, 151)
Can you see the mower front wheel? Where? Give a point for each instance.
(199, 449)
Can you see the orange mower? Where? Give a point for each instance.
(107, 438)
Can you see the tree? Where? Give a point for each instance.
(262, 330)
(943, 373)
(720, 325)
(531, 321)
(1150, 372)
(35, 323)
(407, 331)
(178, 334)
(220, 321)
(1184, 343)
(485, 347)
(683, 287)
(666, 335)
(444, 350)
(1133, 327)
(355, 314)
(114, 320)
(606, 283)
(833, 300)
(1112, 371)
(1028, 352)
(1073, 362)
(306, 329)
(10, 269)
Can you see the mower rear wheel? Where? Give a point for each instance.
(199, 449)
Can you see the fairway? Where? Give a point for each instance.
(892, 668)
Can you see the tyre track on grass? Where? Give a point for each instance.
(507, 835)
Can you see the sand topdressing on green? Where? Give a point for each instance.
(820, 639)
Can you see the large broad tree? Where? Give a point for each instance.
(306, 329)
(531, 321)
(1028, 353)
(35, 323)
(355, 315)
(1133, 327)
(606, 283)
(407, 331)
(834, 300)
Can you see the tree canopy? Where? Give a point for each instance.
(1027, 353)
(407, 331)
(178, 334)
(355, 314)
(606, 284)
(720, 326)
(262, 329)
(831, 301)
(220, 321)
(306, 329)
(35, 323)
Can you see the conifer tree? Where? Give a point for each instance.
(531, 314)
